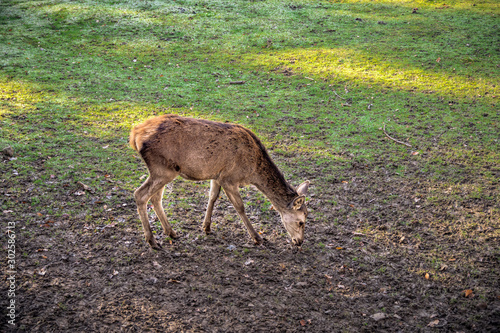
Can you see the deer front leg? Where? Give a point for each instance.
(235, 198)
(214, 194)
(160, 212)
(142, 195)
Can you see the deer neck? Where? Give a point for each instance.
(271, 182)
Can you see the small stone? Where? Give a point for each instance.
(378, 316)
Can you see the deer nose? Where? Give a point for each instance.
(297, 242)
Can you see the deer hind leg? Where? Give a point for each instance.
(235, 198)
(214, 194)
(151, 186)
(160, 212)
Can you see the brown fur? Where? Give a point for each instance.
(229, 155)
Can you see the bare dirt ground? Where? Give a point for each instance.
(383, 253)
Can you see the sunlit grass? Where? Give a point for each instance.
(347, 65)
(102, 13)
(426, 4)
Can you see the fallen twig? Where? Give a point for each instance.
(390, 137)
(237, 82)
(83, 186)
(338, 95)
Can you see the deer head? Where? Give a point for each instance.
(294, 215)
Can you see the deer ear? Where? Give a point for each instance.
(302, 188)
(297, 202)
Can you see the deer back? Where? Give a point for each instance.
(198, 149)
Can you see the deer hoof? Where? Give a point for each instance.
(172, 234)
(154, 244)
(206, 227)
(257, 240)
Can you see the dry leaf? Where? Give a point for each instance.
(468, 293)
(249, 262)
(8, 151)
(303, 322)
(427, 276)
(82, 185)
(433, 323)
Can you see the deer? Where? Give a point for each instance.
(229, 155)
